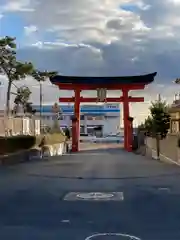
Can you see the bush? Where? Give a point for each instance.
(16, 143)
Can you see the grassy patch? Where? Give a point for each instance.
(50, 139)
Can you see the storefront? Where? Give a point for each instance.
(95, 119)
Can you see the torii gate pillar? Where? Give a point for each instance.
(126, 115)
(76, 122)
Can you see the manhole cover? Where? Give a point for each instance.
(112, 236)
(94, 196)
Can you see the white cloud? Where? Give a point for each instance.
(30, 29)
(17, 5)
(98, 37)
(31, 34)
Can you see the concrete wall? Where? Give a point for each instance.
(111, 125)
(168, 148)
(16, 126)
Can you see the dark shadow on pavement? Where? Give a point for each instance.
(105, 178)
(112, 150)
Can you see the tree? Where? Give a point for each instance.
(42, 76)
(148, 125)
(22, 98)
(29, 108)
(13, 69)
(22, 95)
(160, 118)
(158, 123)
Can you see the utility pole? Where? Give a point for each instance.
(159, 97)
(40, 102)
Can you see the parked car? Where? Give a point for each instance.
(87, 138)
(110, 138)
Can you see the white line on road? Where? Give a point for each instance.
(125, 236)
(87, 154)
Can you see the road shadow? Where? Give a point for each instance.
(101, 150)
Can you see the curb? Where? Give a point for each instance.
(34, 154)
(164, 159)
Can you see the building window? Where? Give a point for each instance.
(99, 118)
(82, 117)
(110, 117)
(93, 118)
(90, 118)
(54, 118)
(60, 117)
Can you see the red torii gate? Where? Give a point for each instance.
(125, 84)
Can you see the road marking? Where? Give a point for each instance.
(110, 235)
(65, 221)
(94, 196)
(164, 189)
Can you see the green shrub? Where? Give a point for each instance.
(16, 143)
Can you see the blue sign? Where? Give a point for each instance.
(84, 109)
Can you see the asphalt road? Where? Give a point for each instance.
(43, 200)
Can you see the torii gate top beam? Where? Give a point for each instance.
(110, 83)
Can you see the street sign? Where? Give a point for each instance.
(101, 94)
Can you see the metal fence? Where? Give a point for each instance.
(19, 126)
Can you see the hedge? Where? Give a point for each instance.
(13, 144)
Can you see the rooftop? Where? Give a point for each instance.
(139, 79)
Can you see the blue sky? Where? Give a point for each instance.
(129, 7)
(12, 24)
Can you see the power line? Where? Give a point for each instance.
(14, 85)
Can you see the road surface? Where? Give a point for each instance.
(96, 191)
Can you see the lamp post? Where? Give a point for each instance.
(40, 102)
(176, 102)
(40, 90)
(177, 96)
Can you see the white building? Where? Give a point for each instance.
(105, 117)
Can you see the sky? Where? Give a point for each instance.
(97, 38)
